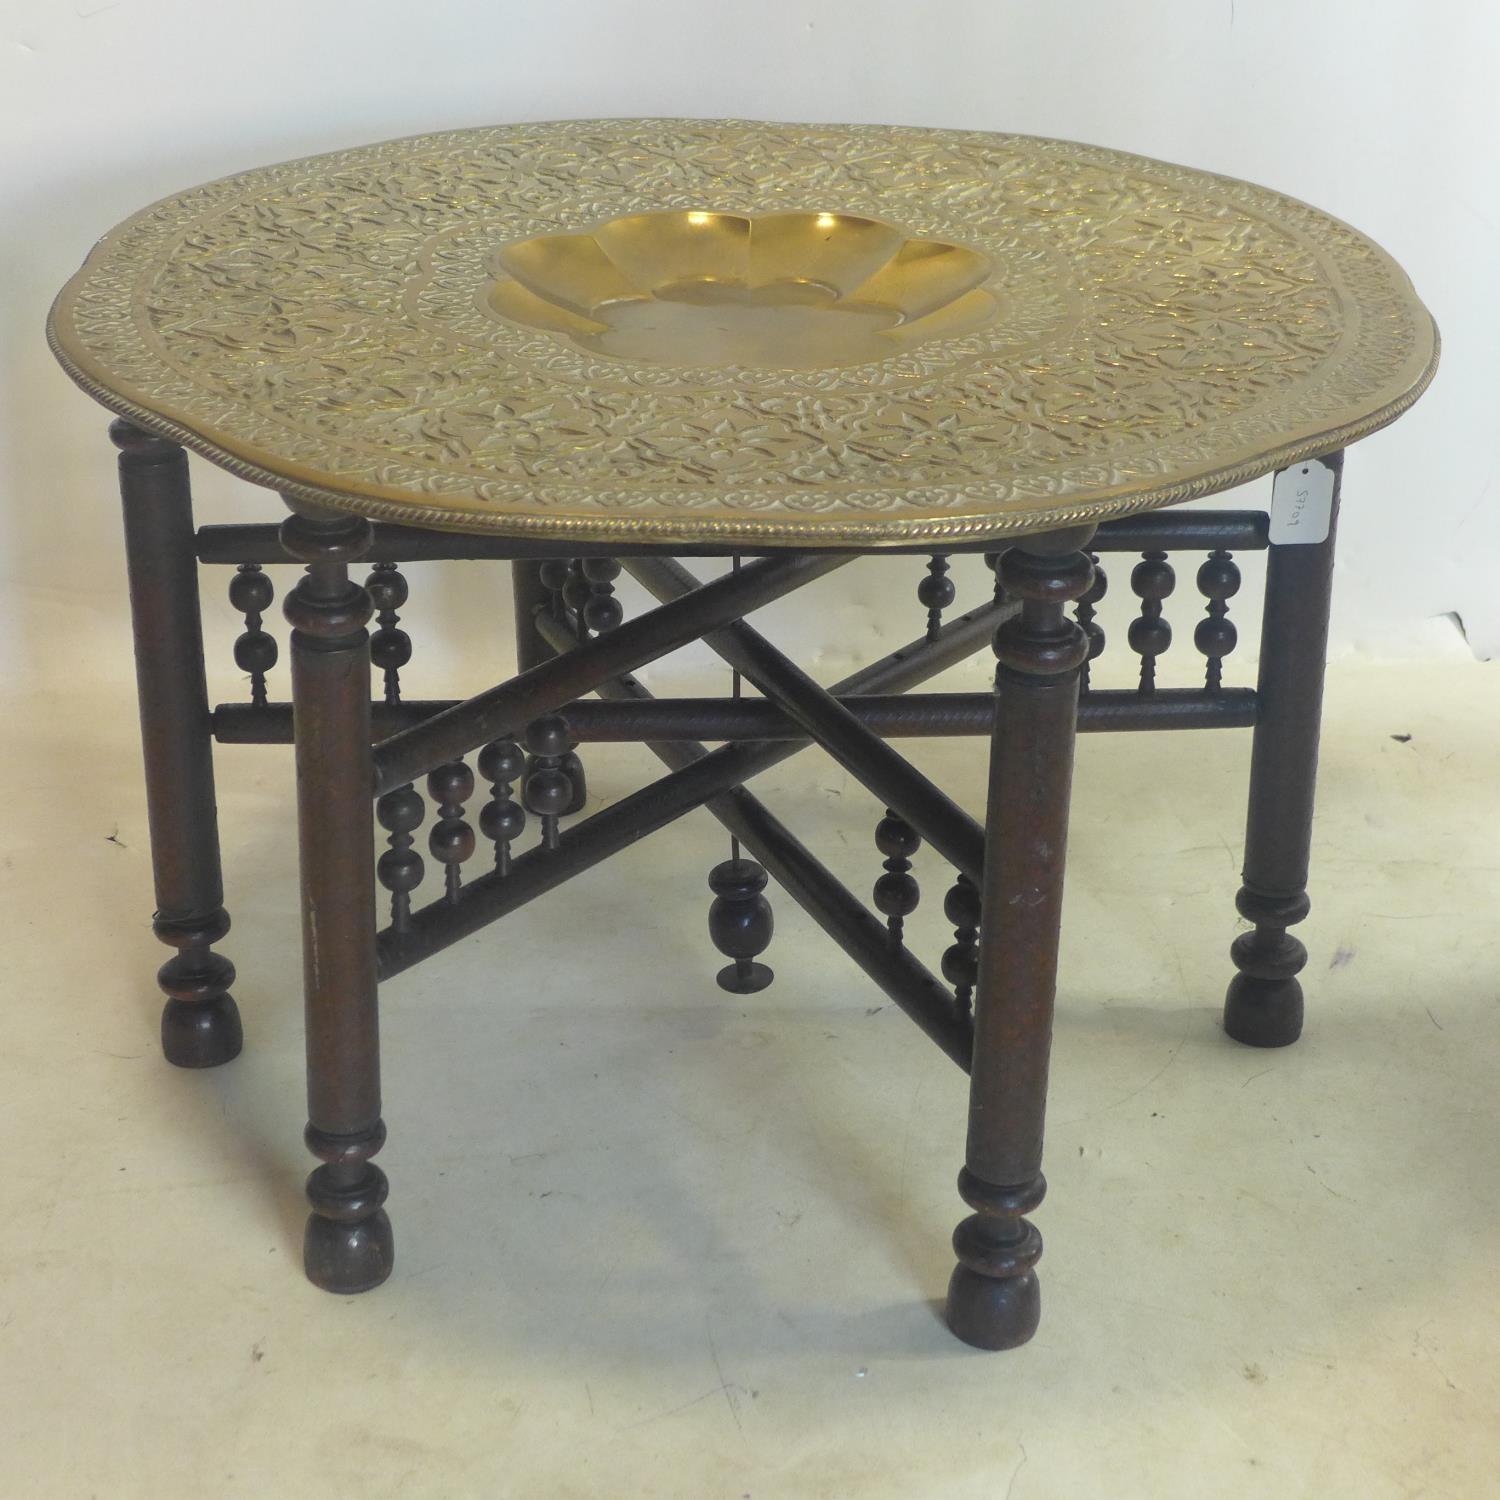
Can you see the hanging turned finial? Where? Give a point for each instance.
(740, 923)
(739, 919)
(935, 593)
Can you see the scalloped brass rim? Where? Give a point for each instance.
(431, 515)
(1395, 360)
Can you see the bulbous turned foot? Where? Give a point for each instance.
(348, 1246)
(200, 1026)
(1263, 1007)
(1263, 1012)
(994, 1299)
(201, 1033)
(994, 1312)
(348, 1258)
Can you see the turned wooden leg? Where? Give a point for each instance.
(200, 1024)
(1264, 1005)
(993, 1299)
(348, 1247)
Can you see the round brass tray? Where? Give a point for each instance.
(754, 334)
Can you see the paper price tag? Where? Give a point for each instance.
(1301, 504)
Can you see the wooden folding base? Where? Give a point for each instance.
(358, 763)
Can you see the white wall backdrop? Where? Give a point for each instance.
(1380, 111)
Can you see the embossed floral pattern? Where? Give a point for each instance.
(323, 326)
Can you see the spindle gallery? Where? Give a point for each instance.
(523, 345)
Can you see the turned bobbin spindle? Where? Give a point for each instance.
(390, 647)
(255, 651)
(548, 789)
(1085, 612)
(741, 924)
(1152, 580)
(451, 841)
(502, 819)
(896, 892)
(1215, 635)
(400, 867)
(935, 593)
(961, 959)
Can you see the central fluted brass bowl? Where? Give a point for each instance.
(774, 291)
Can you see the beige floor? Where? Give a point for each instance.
(655, 1241)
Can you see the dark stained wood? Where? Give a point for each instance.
(348, 1245)
(507, 708)
(1086, 611)
(1151, 580)
(530, 594)
(255, 651)
(993, 1298)
(740, 923)
(1215, 634)
(891, 716)
(961, 957)
(1263, 1007)
(200, 1023)
(548, 789)
(390, 646)
(490, 897)
(1003, 904)
(799, 873)
(945, 825)
(571, 765)
(602, 610)
(1167, 530)
(451, 840)
(897, 893)
(936, 592)
(575, 595)
(400, 868)
(502, 820)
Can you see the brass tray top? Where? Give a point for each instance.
(746, 333)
